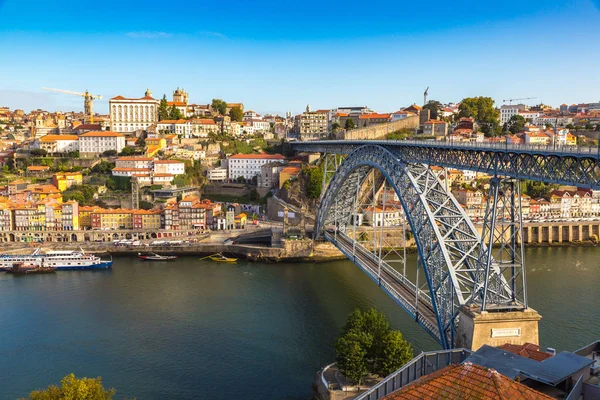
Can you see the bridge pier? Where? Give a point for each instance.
(476, 328)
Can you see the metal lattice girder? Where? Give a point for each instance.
(501, 280)
(564, 165)
(447, 241)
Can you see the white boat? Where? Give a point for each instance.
(155, 257)
(61, 260)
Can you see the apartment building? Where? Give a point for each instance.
(94, 143)
(59, 143)
(312, 125)
(248, 166)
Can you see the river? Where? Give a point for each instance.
(199, 330)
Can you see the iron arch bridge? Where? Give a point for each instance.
(457, 265)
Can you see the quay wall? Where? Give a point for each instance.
(378, 131)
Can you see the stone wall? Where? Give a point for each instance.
(378, 131)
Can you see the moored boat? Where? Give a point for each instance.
(21, 268)
(156, 257)
(61, 260)
(221, 258)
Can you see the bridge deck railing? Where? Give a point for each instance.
(423, 364)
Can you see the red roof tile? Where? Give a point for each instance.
(527, 350)
(466, 381)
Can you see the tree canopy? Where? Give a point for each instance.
(220, 106)
(163, 109)
(435, 109)
(515, 124)
(73, 388)
(367, 344)
(175, 113)
(482, 110)
(236, 114)
(314, 182)
(349, 124)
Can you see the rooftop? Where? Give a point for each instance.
(257, 157)
(466, 381)
(102, 134)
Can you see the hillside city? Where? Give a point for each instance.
(157, 164)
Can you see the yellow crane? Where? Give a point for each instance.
(88, 99)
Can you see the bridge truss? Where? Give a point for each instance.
(456, 267)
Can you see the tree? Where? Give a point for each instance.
(175, 113)
(589, 126)
(127, 151)
(349, 124)
(314, 182)
(335, 126)
(350, 356)
(163, 109)
(38, 153)
(482, 110)
(103, 167)
(75, 389)
(570, 126)
(219, 105)
(549, 126)
(383, 350)
(109, 153)
(395, 353)
(435, 109)
(236, 114)
(515, 124)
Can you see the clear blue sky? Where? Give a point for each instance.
(278, 56)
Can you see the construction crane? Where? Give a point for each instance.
(524, 98)
(87, 100)
(425, 95)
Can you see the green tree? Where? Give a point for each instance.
(549, 126)
(163, 109)
(220, 106)
(589, 126)
(175, 113)
(314, 182)
(435, 109)
(236, 114)
(103, 167)
(72, 388)
(395, 353)
(38, 153)
(515, 124)
(127, 151)
(351, 356)
(335, 126)
(349, 124)
(482, 110)
(109, 153)
(570, 126)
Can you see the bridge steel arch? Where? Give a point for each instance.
(447, 242)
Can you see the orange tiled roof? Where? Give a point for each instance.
(375, 116)
(38, 168)
(54, 138)
(466, 381)
(168, 162)
(290, 170)
(102, 134)
(527, 350)
(177, 103)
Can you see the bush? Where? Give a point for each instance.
(38, 153)
(74, 388)
(109, 153)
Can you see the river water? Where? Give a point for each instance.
(199, 330)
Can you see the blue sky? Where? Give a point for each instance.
(278, 56)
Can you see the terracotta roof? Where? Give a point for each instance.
(466, 381)
(527, 350)
(91, 127)
(435, 121)
(177, 103)
(54, 138)
(374, 116)
(258, 156)
(129, 98)
(38, 168)
(172, 121)
(102, 134)
(290, 170)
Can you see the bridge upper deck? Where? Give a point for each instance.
(565, 165)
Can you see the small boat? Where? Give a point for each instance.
(221, 258)
(155, 257)
(21, 268)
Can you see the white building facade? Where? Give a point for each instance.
(248, 165)
(131, 114)
(98, 142)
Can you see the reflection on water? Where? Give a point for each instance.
(176, 330)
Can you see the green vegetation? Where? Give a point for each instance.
(146, 205)
(225, 198)
(368, 345)
(482, 110)
(175, 113)
(236, 114)
(109, 153)
(119, 183)
(536, 189)
(83, 194)
(72, 388)
(435, 109)
(38, 153)
(349, 124)
(515, 124)
(314, 181)
(163, 109)
(220, 106)
(401, 134)
(103, 167)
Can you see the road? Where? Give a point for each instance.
(397, 286)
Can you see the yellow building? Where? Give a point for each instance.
(571, 140)
(154, 145)
(240, 221)
(146, 219)
(288, 173)
(112, 219)
(65, 180)
(85, 216)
